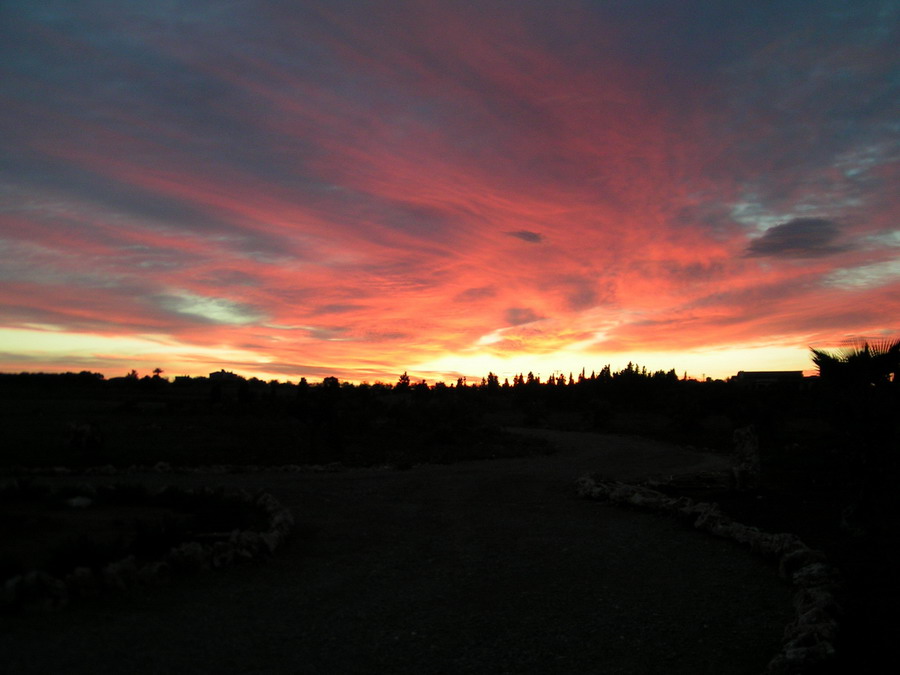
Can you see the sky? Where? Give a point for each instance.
(353, 188)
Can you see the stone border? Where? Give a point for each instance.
(39, 591)
(808, 642)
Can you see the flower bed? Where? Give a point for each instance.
(175, 531)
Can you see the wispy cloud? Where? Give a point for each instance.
(362, 188)
(865, 276)
(210, 309)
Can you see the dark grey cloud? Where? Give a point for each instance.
(516, 316)
(799, 238)
(757, 297)
(425, 222)
(580, 291)
(824, 89)
(337, 308)
(385, 336)
(479, 293)
(527, 235)
(226, 277)
(678, 271)
(696, 271)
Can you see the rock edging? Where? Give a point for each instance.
(808, 643)
(37, 590)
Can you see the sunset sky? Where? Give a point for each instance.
(355, 188)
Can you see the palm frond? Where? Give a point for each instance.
(861, 361)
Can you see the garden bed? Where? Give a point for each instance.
(64, 542)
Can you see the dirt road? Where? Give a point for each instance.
(479, 567)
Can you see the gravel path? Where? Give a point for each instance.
(479, 567)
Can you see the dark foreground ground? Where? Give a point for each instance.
(478, 567)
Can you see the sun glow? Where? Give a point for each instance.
(716, 364)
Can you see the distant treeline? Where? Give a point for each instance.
(631, 400)
(490, 381)
(225, 418)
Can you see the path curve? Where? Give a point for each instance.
(478, 567)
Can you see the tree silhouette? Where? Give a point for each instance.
(493, 382)
(403, 382)
(860, 363)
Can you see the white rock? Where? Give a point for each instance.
(815, 574)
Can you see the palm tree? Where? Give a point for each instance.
(860, 362)
(860, 402)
